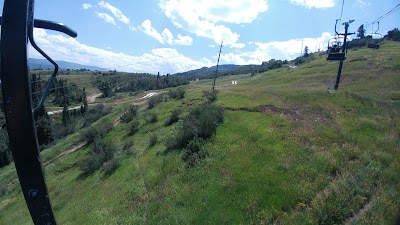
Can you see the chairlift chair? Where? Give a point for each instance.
(374, 43)
(334, 50)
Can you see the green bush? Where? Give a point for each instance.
(201, 122)
(128, 116)
(91, 133)
(174, 117)
(194, 152)
(179, 93)
(90, 164)
(102, 151)
(211, 96)
(110, 166)
(151, 118)
(155, 100)
(95, 113)
(153, 140)
(133, 127)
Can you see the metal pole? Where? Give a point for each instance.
(17, 14)
(216, 70)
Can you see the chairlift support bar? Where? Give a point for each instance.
(16, 26)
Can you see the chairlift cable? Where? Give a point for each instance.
(388, 13)
(341, 12)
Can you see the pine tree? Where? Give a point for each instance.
(306, 54)
(84, 101)
(361, 32)
(65, 115)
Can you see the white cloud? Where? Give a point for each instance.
(166, 36)
(164, 60)
(200, 17)
(115, 11)
(238, 45)
(105, 17)
(86, 6)
(289, 49)
(314, 3)
(363, 3)
(151, 31)
(183, 40)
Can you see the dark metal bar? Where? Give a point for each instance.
(50, 25)
(18, 109)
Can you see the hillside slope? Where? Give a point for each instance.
(287, 153)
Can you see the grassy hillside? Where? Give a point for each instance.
(287, 153)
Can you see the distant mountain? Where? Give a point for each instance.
(208, 70)
(44, 64)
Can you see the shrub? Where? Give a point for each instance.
(151, 118)
(179, 93)
(211, 96)
(110, 166)
(90, 164)
(102, 151)
(95, 113)
(155, 100)
(174, 117)
(133, 127)
(128, 116)
(201, 122)
(63, 131)
(153, 140)
(103, 148)
(194, 152)
(91, 133)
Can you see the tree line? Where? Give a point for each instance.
(109, 83)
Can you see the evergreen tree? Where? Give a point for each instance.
(158, 81)
(65, 114)
(43, 125)
(361, 32)
(84, 101)
(306, 54)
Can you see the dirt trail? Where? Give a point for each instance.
(72, 149)
(91, 98)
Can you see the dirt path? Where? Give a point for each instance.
(69, 151)
(91, 98)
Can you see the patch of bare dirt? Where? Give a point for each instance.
(91, 98)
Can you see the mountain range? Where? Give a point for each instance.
(44, 64)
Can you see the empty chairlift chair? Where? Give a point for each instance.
(375, 43)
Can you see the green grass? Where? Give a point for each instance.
(287, 153)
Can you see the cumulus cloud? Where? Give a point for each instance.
(201, 17)
(106, 18)
(148, 29)
(289, 49)
(166, 36)
(115, 11)
(86, 6)
(314, 3)
(163, 60)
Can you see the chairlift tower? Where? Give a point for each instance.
(340, 55)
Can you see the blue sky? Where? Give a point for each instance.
(169, 36)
